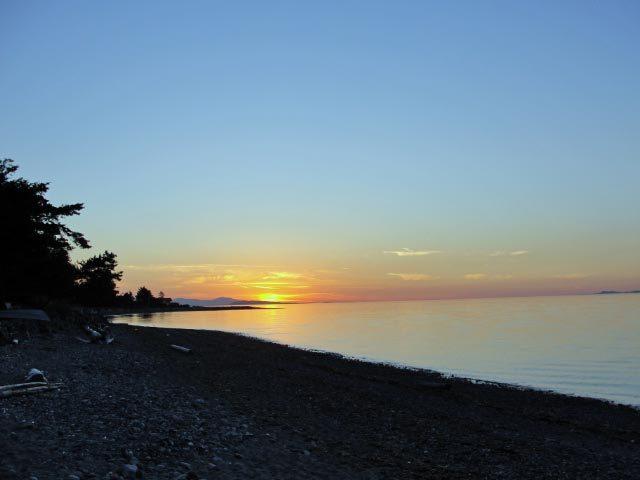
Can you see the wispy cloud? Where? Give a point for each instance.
(280, 275)
(412, 276)
(185, 268)
(484, 276)
(475, 276)
(506, 276)
(504, 253)
(407, 252)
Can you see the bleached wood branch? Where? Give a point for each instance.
(22, 385)
(28, 391)
(181, 349)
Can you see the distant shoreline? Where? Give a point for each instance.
(110, 312)
(615, 292)
(114, 312)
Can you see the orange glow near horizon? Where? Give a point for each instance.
(271, 297)
(410, 276)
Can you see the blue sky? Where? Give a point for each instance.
(307, 137)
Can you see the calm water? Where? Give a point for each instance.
(585, 345)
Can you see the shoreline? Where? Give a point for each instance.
(239, 407)
(363, 359)
(388, 363)
(116, 312)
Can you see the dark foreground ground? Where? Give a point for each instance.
(241, 408)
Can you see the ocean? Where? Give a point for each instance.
(586, 345)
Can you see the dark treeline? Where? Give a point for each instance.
(35, 246)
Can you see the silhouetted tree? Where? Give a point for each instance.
(125, 300)
(97, 277)
(34, 241)
(144, 297)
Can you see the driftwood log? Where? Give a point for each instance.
(22, 385)
(181, 348)
(27, 388)
(95, 336)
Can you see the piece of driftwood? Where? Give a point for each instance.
(24, 314)
(22, 385)
(181, 348)
(29, 390)
(95, 336)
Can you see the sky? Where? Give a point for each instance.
(336, 151)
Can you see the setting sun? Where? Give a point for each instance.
(271, 297)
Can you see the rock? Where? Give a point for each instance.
(35, 375)
(188, 476)
(130, 471)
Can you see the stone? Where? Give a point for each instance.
(188, 476)
(35, 375)
(129, 470)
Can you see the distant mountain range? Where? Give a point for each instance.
(219, 302)
(615, 292)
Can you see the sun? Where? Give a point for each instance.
(270, 297)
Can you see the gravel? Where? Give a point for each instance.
(237, 407)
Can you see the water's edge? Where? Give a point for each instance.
(396, 365)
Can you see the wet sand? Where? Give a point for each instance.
(243, 408)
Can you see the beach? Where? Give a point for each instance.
(585, 345)
(237, 407)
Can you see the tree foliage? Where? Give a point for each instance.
(126, 300)
(144, 297)
(34, 241)
(97, 277)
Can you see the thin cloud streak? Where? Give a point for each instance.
(503, 253)
(475, 276)
(281, 275)
(174, 267)
(412, 276)
(407, 252)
